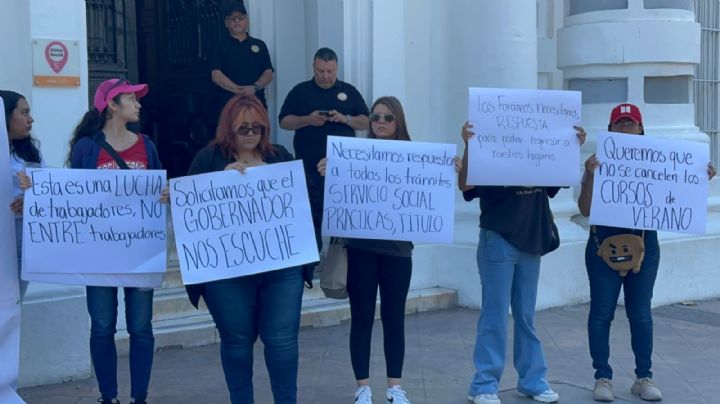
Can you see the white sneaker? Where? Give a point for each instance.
(484, 399)
(396, 395)
(646, 389)
(547, 396)
(363, 395)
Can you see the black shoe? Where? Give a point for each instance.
(108, 401)
(138, 402)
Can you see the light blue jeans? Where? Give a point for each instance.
(509, 278)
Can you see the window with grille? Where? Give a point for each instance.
(707, 74)
(587, 6)
(678, 4)
(600, 91)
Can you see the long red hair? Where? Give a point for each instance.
(225, 134)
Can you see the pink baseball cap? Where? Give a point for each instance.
(108, 89)
(629, 111)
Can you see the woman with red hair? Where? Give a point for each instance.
(265, 304)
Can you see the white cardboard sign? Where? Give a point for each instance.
(650, 183)
(229, 224)
(523, 137)
(389, 190)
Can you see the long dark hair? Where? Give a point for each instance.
(393, 104)
(27, 148)
(91, 123)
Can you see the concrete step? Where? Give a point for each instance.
(190, 327)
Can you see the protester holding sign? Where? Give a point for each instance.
(618, 258)
(265, 304)
(17, 122)
(516, 229)
(386, 264)
(102, 141)
(24, 152)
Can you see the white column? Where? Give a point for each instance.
(488, 44)
(634, 43)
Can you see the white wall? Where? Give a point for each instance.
(58, 110)
(55, 328)
(15, 46)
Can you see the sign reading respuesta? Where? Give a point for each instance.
(523, 137)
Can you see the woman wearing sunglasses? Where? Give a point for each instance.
(383, 264)
(265, 304)
(102, 141)
(605, 282)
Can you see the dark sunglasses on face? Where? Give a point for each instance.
(375, 117)
(626, 124)
(253, 130)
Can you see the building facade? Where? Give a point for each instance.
(659, 54)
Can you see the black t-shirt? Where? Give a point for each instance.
(521, 215)
(243, 62)
(310, 142)
(211, 158)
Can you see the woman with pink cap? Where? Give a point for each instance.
(606, 282)
(102, 141)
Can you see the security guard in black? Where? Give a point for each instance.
(240, 64)
(310, 142)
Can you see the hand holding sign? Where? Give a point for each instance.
(229, 224)
(389, 189)
(648, 183)
(524, 137)
(78, 218)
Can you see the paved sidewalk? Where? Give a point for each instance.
(438, 362)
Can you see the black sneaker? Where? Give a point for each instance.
(108, 401)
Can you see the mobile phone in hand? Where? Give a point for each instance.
(324, 113)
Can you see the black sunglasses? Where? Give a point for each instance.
(388, 118)
(250, 130)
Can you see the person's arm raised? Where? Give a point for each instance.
(466, 134)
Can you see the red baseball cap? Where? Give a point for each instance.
(629, 111)
(108, 89)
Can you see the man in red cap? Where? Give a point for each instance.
(626, 118)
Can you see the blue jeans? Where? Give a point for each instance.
(605, 284)
(102, 306)
(266, 304)
(509, 278)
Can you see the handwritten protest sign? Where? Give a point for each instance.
(229, 224)
(389, 189)
(649, 183)
(94, 222)
(524, 137)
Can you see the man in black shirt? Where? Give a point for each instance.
(315, 109)
(240, 64)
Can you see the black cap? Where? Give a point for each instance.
(233, 6)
